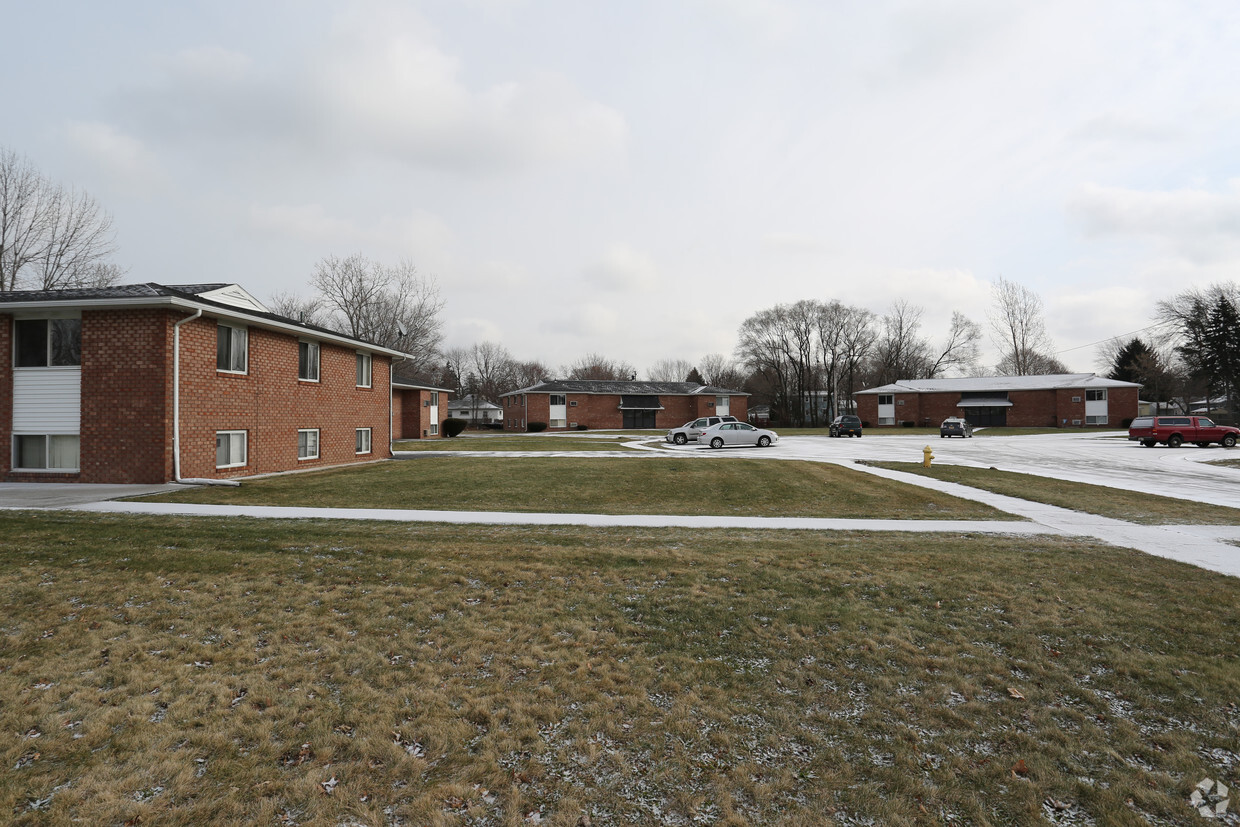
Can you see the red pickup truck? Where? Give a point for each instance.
(1176, 430)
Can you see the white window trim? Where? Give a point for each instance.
(245, 458)
(47, 450)
(301, 431)
(369, 441)
(370, 369)
(245, 369)
(318, 360)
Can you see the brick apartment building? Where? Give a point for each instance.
(149, 383)
(418, 408)
(567, 404)
(1056, 400)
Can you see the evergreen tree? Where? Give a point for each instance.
(694, 376)
(1130, 362)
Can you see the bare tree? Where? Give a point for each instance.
(721, 372)
(292, 306)
(598, 367)
(960, 352)
(493, 366)
(390, 306)
(78, 239)
(900, 352)
(1030, 364)
(526, 374)
(50, 237)
(1019, 331)
(669, 370)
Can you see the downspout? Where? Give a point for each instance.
(391, 396)
(176, 394)
(176, 409)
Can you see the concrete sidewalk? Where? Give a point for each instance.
(1216, 548)
(1015, 527)
(1202, 545)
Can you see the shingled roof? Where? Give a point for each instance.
(165, 294)
(618, 387)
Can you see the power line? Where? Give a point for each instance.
(1117, 336)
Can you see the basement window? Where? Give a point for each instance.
(308, 444)
(230, 449)
(45, 452)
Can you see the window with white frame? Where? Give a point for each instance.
(231, 349)
(230, 449)
(45, 452)
(1095, 395)
(1096, 420)
(557, 416)
(42, 343)
(308, 443)
(886, 399)
(363, 370)
(308, 361)
(362, 440)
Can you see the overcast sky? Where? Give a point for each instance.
(636, 178)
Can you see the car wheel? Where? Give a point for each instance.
(1229, 441)
(1175, 441)
(764, 441)
(717, 442)
(680, 439)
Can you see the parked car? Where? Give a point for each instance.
(955, 426)
(737, 433)
(692, 430)
(1174, 431)
(845, 426)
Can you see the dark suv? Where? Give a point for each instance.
(845, 426)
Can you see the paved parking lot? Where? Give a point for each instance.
(1080, 456)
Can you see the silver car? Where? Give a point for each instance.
(690, 431)
(737, 433)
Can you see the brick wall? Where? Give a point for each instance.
(271, 404)
(413, 415)
(602, 411)
(1030, 409)
(126, 429)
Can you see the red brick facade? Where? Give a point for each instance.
(1049, 408)
(602, 411)
(412, 412)
(126, 433)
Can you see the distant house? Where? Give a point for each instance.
(1057, 400)
(565, 404)
(148, 383)
(475, 410)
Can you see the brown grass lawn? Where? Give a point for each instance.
(198, 671)
(1133, 506)
(637, 485)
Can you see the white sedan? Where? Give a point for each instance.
(737, 433)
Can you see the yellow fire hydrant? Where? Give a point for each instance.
(926, 456)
